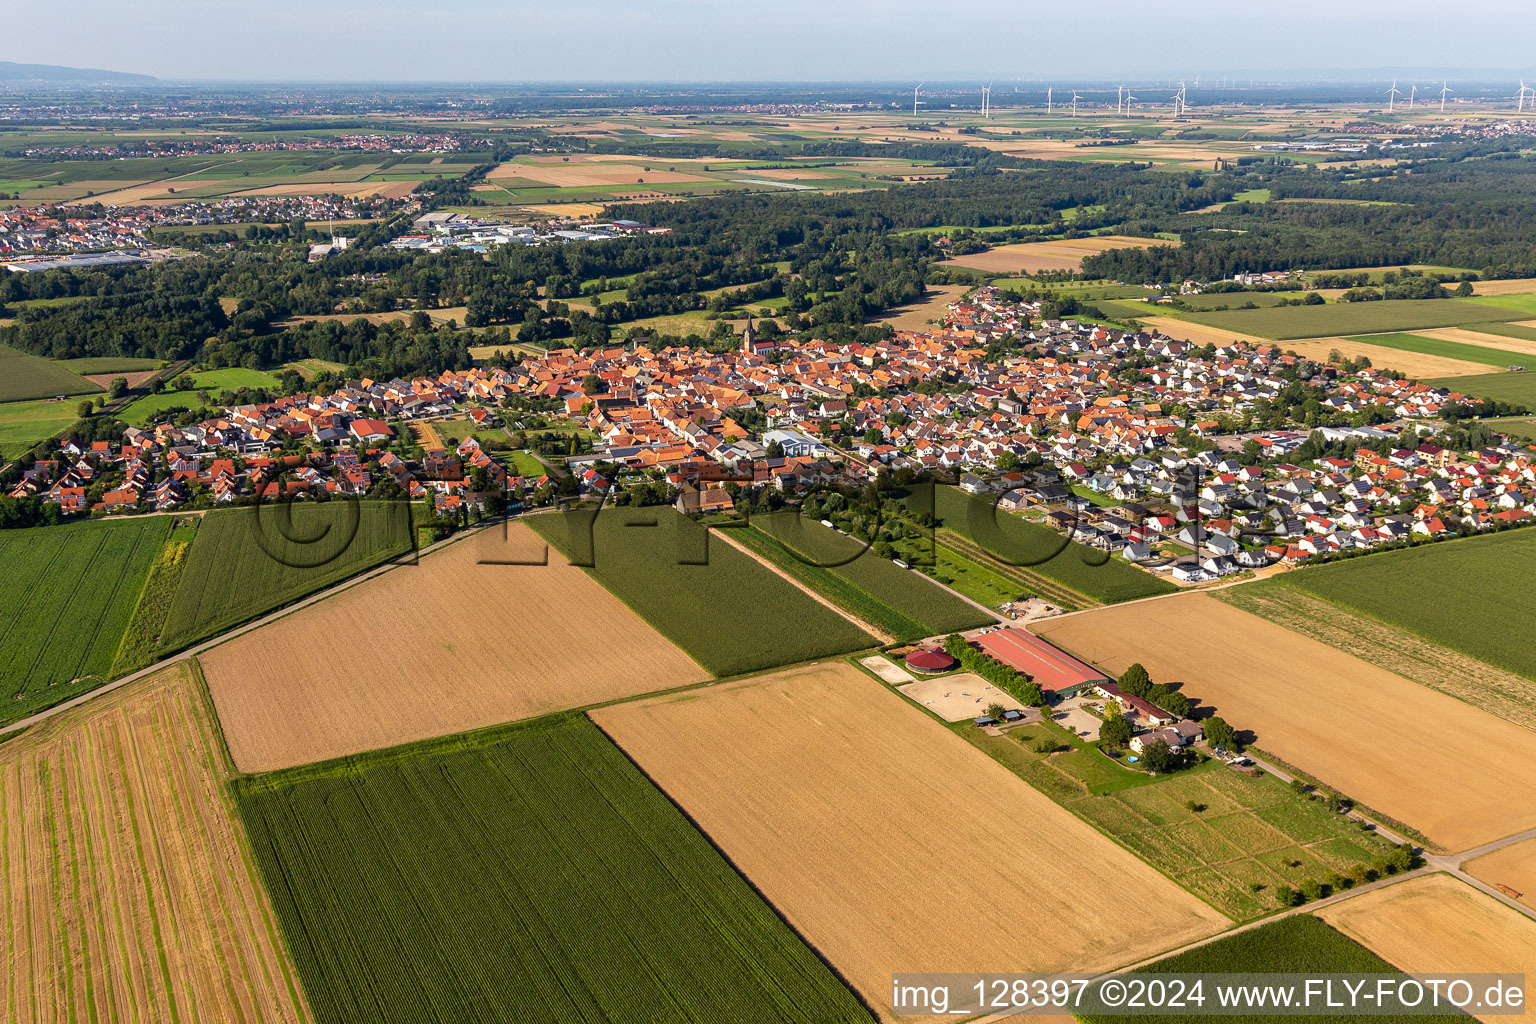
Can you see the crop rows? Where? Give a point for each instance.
(530, 875)
(897, 600)
(245, 562)
(142, 638)
(1067, 600)
(1074, 566)
(730, 615)
(80, 584)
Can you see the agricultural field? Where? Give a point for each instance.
(1042, 552)
(901, 601)
(1519, 388)
(1438, 923)
(1352, 318)
(1345, 722)
(1440, 347)
(24, 376)
(1302, 944)
(1471, 595)
(1513, 867)
(108, 364)
(248, 561)
(1516, 348)
(207, 385)
(128, 894)
(81, 582)
(1228, 838)
(462, 639)
(921, 316)
(895, 845)
(1499, 692)
(1033, 257)
(23, 424)
(731, 614)
(529, 873)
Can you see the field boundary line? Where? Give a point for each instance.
(879, 634)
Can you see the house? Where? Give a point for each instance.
(714, 499)
(371, 431)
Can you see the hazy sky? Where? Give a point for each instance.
(587, 40)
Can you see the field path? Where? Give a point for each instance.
(874, 631)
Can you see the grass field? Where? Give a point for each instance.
(23, 424)
(1352, 725)
(529, 874)
(461, 640)
(209, 383)
(247, 561)
(1518, 388)
(1438, 923)
(80, 584)
(1249, 837)
(1294, 945)
(1471, 595)
(1287, 322)
(109, 364)
(731, 615)
(1439, 347)
(887, 840)
(24, 376)
(1041, 551)
(901, 601)
(128, 894)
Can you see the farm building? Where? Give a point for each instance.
(1056, 672)
(930, 662)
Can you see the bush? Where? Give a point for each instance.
(1286, 896)
(1310, 890)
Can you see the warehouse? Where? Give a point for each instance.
(1056, 672)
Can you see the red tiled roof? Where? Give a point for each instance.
(1048, 666)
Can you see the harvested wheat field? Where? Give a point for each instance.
(890, 843)
(1435, 925)
(922, 316)
(1030, 257)
(567, 175)
(134, 378)
(1198, 334)
(431, 649)
(1352, 725)
(387, 189)
(1513, 867)
(1507, 286)
(1415, 364)
(127, 893)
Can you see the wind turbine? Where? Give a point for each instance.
(1181, 105)
(1443, 90)
(1128, 98)
(1392, 95)
(914, 97)
(1412, 92)
(1119, 99)
(1523, 90)
(1048, 100)
(1074, 102)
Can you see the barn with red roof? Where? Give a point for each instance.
(1056, 672)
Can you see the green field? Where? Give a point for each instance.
(1041, 550)
(208, 385)
(1519, 388)
(1471, 595)
(109, 364)
(71, 591)
(1509, 331)
(731, 615)
(23, 424)
(1294, 945)
(1437, 347)
(248, 561)
(1285, 323)
(901, 601)
(527, 874)
(1252, 195)
(1248, 831)
(1525, 302)
(24, 376)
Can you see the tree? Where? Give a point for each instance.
(1135, 680)
(1007, 462)
(591, 384)
(1219, 734)
(1115, 732)
(1286, 896)
(84, 409)
(874, 436)
(1157, 757)
(996, 711)
(118, 387)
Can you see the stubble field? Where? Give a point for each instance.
(1032, 257)
(432, 649)
(1514, 866)
(127, 894)
(890, 843)
(1438, 924)
(1442, 766)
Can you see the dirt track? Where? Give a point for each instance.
(889, 842)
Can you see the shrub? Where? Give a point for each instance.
(1286, 896)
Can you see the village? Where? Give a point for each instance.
(1150, 466)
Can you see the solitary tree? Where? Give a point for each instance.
(1115, 732)
(1219, 734)
(1135, 680)
(118, 387)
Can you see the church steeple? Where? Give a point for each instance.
(748, 336)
